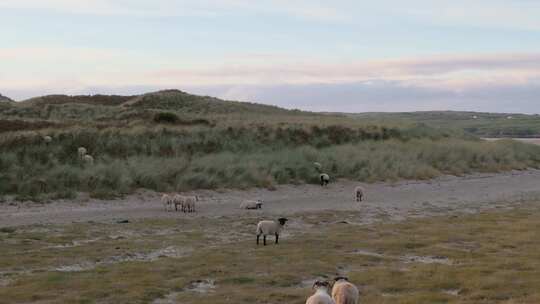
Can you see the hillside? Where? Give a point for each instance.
(5, 98)
(477, 123)
(175, 141)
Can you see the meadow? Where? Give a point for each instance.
(453, 258)
(174, 141)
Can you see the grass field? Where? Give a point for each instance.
(491, 257)
(174, 141)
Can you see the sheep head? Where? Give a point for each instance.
(321, 284)
(282, 221)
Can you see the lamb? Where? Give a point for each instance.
(47, 139)
(251, 204)
(167, 201)
(270, 228)
(325, 179)
(88, 159)
(82, 152)
(359, 193)
(321, 294)
(344, 292)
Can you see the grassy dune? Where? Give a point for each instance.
(174, 141)
(490, 257)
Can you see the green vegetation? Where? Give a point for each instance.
(172, 140)
(480, 124)
(483, 258)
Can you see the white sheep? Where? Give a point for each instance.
(321, 295)
(344, 292)
(325, 179)
(189, 203)
(359, 193)
(82, 152)
(88, 159)
(317, 166)
(248, 204)
(270, 228)
(178, 200)
(167, 201)
(47, 139)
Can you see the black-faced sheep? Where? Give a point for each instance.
(344, 292)
(265, 228)
(248, 204)
(359, 193)
(325, 179)
(321, 295)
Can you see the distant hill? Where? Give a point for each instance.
(103, 100)
(5, 98)
(477, 123)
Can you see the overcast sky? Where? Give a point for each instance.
(352, 56)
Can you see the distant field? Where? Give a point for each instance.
(491, 257)
(535, 141)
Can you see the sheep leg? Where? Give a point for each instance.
(277, 238)
(264, 240)
(258, 235)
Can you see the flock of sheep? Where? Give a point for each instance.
(343, 292)
(81, 151)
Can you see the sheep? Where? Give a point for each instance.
(325, 179)
(82, 152)
(344, 292)
(47, 139)
(270, 228)
(321, 295)
(359, 193)
(188, 204)
(167, 201)
(251, 204)
(88, 159)
(317, 166)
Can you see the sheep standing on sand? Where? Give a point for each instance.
(189, 203)
(82, 152)
(167, 201)
(88, 159)
(344, 292)
(325, 179)
(47, 139)
(178, 200)
(251, 204)
(321, 294)
(265, 228)
(358, 193)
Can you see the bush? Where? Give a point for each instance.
(166, 117)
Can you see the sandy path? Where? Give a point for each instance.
(397, 200)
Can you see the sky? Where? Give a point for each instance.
(339, 56)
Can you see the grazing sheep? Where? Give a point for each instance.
(344, 292)
(88, 159)
(167, 201)
(359, 193)
(178, 200)
(189, 203)
(82, 152)
(47, 139)
(321, 294)
(318, 166)
(270, 228)
(251, 204)
(325, 179)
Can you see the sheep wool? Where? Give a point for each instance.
(82, 152)
(189, 203)
(167, 201)
(321, 294)
(251, 204)
(88, 159)
(325, 179)
(265, 228)
(344, 292)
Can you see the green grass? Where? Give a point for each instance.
(493, 258)
(173, 141)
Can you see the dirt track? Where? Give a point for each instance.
(397, 200)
